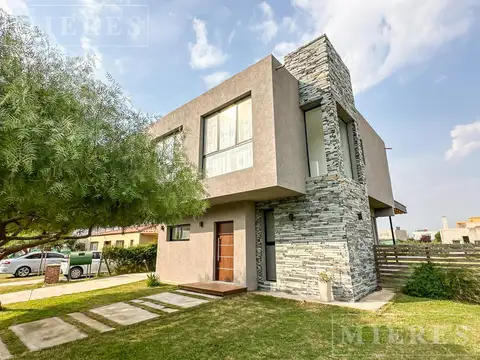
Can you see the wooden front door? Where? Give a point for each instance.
(224, 252)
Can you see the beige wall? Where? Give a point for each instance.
(379, 185)
(473, 233)
(257, 80)
(291, 146)
(137, 238)
(194, 260)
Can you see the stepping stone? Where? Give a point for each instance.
(4, 353)
(94, 324)
(154, 306)
(137, 301)
(45, 333)
(169, 310)
(177, 300)
(124, 314)
(198, 294)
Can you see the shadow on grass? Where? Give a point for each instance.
(61, 305)
(259, 327)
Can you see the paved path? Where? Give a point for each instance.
(54, 331)
(72, 288)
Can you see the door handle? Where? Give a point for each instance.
(218, 249)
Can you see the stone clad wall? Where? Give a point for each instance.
(331, 229)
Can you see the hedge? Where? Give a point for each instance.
(141, 258)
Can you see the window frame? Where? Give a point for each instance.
(237, 143)
(350, 145)
(170, 232)
(120, 241)
(90, 246)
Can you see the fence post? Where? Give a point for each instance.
(427, 252)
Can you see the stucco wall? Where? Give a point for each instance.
(291, 147)
(257, 82)
(379, 185)
(194, 260)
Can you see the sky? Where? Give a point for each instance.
(415, 68)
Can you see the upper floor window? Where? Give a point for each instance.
(346, 140)
(227, 143)
(317, 158)
(166, 146)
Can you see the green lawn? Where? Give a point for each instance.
(260, 327)
(15, 288)
(10, 278)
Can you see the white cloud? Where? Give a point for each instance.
(202, 54)
(215, 78)
(376, 38)
(283, 48)
(465, 140)
(268, 28)
(440, 78)
(290, 24)
(231, 36)
(15, 7)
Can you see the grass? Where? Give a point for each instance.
(15, 288)
(4, 278)
(259, 327)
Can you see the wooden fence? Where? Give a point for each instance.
(395, 263)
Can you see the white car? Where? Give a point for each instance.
(77, 271)
(30, 263)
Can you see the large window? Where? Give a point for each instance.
(227, 143)
(179, 233)
(347, 148)
(119, 243)
(166, 146)
(317, 159)
(94, 246)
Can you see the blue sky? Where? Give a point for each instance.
(414, 65)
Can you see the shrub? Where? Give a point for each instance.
(431, 281)
(428, 281)
(465, 284)
(132, 259)
(152, 280)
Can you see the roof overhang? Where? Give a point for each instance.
(399, 208)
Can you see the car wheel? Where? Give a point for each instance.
(22, 271)
(76, 272)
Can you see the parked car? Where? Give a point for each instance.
(77, 271)
(25, 265)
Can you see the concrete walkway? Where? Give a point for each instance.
(71, 288)
(373, 302)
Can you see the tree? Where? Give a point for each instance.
(425, 238)
(438, 237)
(74, 153)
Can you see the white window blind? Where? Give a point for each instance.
(227, 120)
(228, 139)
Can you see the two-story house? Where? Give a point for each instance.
(295, 177)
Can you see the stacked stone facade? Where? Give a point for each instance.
(331, 229)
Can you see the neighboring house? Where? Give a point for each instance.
(466, 232)
(295, 175)
(385, 235)
(119, 237)
(418, 234)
